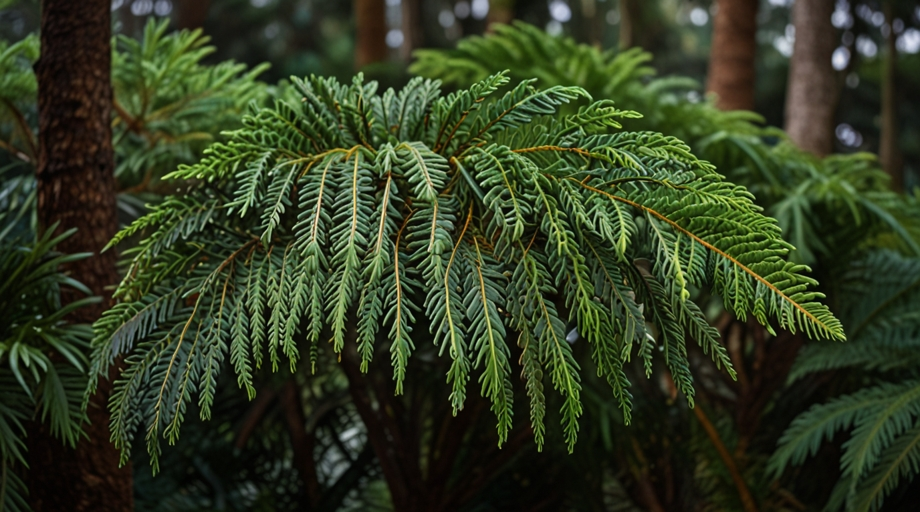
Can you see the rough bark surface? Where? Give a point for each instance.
(731, 62)
(812, 90)
(76, 187)
(370, 32)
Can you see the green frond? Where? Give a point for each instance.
(492, 218)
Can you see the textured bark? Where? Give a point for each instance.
(370, 32)
(812, 90)
(889, 153)
(731, 63)
(76, 187)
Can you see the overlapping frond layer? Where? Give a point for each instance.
(828, 207)
(880, 298)
(474, 221)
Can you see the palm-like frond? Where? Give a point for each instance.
(497, 216)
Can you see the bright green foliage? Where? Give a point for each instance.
(825, 207)
(33, 387)
(883, 318)
(464, 220)
(168, 105)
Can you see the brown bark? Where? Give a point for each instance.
(812, 89)
(370, 32)
(501, 12)
(888, 152)
(731, 63)
(302, 442)
(76, 187)
(413, 36)
(629, 17)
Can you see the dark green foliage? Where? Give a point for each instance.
(882, 295)
(462, 220)
(167, 108)
(42, 357)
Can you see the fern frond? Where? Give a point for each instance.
(494, 216)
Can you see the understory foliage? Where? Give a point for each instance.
(882, 311)
(472, 221)
(34, 384)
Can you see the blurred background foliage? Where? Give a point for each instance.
(300, 444)
(299, 37)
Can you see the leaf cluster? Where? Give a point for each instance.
(474, 221)
(42, 356)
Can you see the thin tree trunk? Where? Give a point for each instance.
(190, 14)
(731, 63)
(812, 90)
(500, 12)
(370, 32)
(76, 187)
(302, 442)
(413, 35)
(629, 16)
(889, 153)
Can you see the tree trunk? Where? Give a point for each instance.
(190, 14)
(629, 17)
(889, 153)
(413, 35)
(812, 90)
(76, 187)
(370, 32)
(731, 63)
(500, 12)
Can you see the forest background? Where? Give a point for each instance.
(842, 187)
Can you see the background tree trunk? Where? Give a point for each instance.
(812, 89)
(500, 11)
(190, 14)
(731, 62)
(413, 35)
(76, 187)
(629, 16)
(888, 152)
(370, 32)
